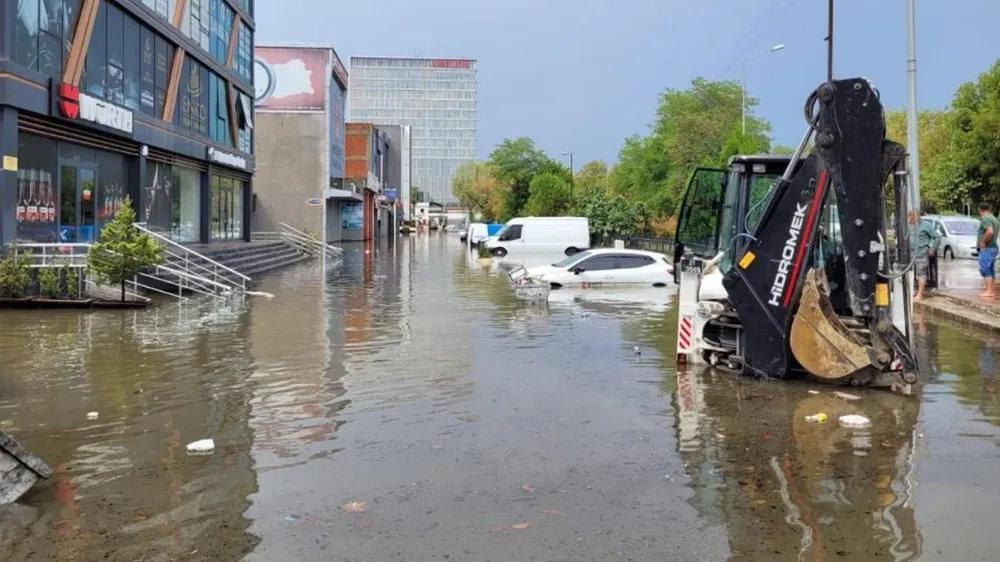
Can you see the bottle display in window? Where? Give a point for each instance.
(22, 195)
(32, 196)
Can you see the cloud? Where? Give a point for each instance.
(292, 78)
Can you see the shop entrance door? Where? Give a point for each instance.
(77, 203)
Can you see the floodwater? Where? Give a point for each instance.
(401, 406)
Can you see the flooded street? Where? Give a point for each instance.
(401, 406)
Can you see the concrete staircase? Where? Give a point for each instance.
(248, 258)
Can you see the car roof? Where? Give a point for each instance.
(631, 251)
(951, 217)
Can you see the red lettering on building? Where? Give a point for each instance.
(69, 101)
(451, 63)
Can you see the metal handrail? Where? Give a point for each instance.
(47, 258)
(189, 252)
(296, 234)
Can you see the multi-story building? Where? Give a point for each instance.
(301, 95)
(103, 99)
(436, 97)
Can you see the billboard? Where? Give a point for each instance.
(290, 78)
(337, 129)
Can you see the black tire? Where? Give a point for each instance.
(571, 251)
(948, 254)
(499, 252)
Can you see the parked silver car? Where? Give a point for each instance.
(958, 235)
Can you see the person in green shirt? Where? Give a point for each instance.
(986, 241)
(924, 242)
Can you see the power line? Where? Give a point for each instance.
(735, 54)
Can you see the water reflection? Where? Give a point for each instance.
(788, 489)
(408, 378)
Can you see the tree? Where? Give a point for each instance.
(124, 251)
(783, 149)
(549, 196)
(516, 162)
(612, 216)
(698, 126)
(934, 136)
(592, 174)
(416, 195)
(476, 187)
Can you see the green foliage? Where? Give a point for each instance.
(782, 149)
(123, 251)
(48, 282)
(612, 216)
(515, 162)
(476, 187)
(15, 273)
(593, 174)
(483, 252)
(416, 195)
(72, 279)
(549, 196)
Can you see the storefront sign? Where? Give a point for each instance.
(390, 193)
(373, 183)
(226, 158)
(314, 202)
(74, 104)
(10, 163)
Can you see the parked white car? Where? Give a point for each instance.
(958, 235)
(603, 267)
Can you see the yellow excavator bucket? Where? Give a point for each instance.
(820, 341)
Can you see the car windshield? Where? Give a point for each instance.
(961, 227)
(572, 259)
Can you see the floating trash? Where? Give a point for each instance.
(201, 446)
(854, 420)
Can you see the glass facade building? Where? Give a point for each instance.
(103, 99)
(437, 98)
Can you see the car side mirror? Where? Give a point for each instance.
(577, 270)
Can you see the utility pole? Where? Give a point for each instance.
(829, 43)
(912, 137)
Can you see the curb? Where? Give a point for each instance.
(963, 311)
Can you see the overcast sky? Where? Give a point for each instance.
(581, 75)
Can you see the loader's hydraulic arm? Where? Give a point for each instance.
(775, 280)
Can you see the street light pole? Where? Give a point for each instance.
(744, 62)
(571, 178)
(912, 136)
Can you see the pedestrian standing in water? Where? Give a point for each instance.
(924, 242)
(986, 242)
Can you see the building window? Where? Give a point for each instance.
(247, 6)
(116, 55)
(243, 61)
(96, 68)
(156, 194)
(221, 24)
(37, 190)
(218, 111)
(185, 205)
(147, 74)
(227, 208)
(244, 114)
(164, 57)
(43, 29)
(192, 98)
(133, 63)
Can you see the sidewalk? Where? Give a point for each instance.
(957, 297)
(963, 306)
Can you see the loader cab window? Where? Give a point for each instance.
(729, 219)
(697, 226)
(761, 189)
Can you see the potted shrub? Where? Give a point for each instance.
(123, 252)
(51, 291)
(484, 255)
(15, 277)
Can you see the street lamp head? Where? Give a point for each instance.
(778, 47)
(564, 153)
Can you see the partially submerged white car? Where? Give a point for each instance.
(604, 267)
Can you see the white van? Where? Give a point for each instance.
(541, 235)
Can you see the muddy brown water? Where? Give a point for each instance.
(403, 407)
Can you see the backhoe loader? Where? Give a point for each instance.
(784, 263)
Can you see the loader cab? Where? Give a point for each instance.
(721, 208)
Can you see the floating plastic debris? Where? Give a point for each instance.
(201, 446)
(91, 416)
(818, 418)
(854, 420)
